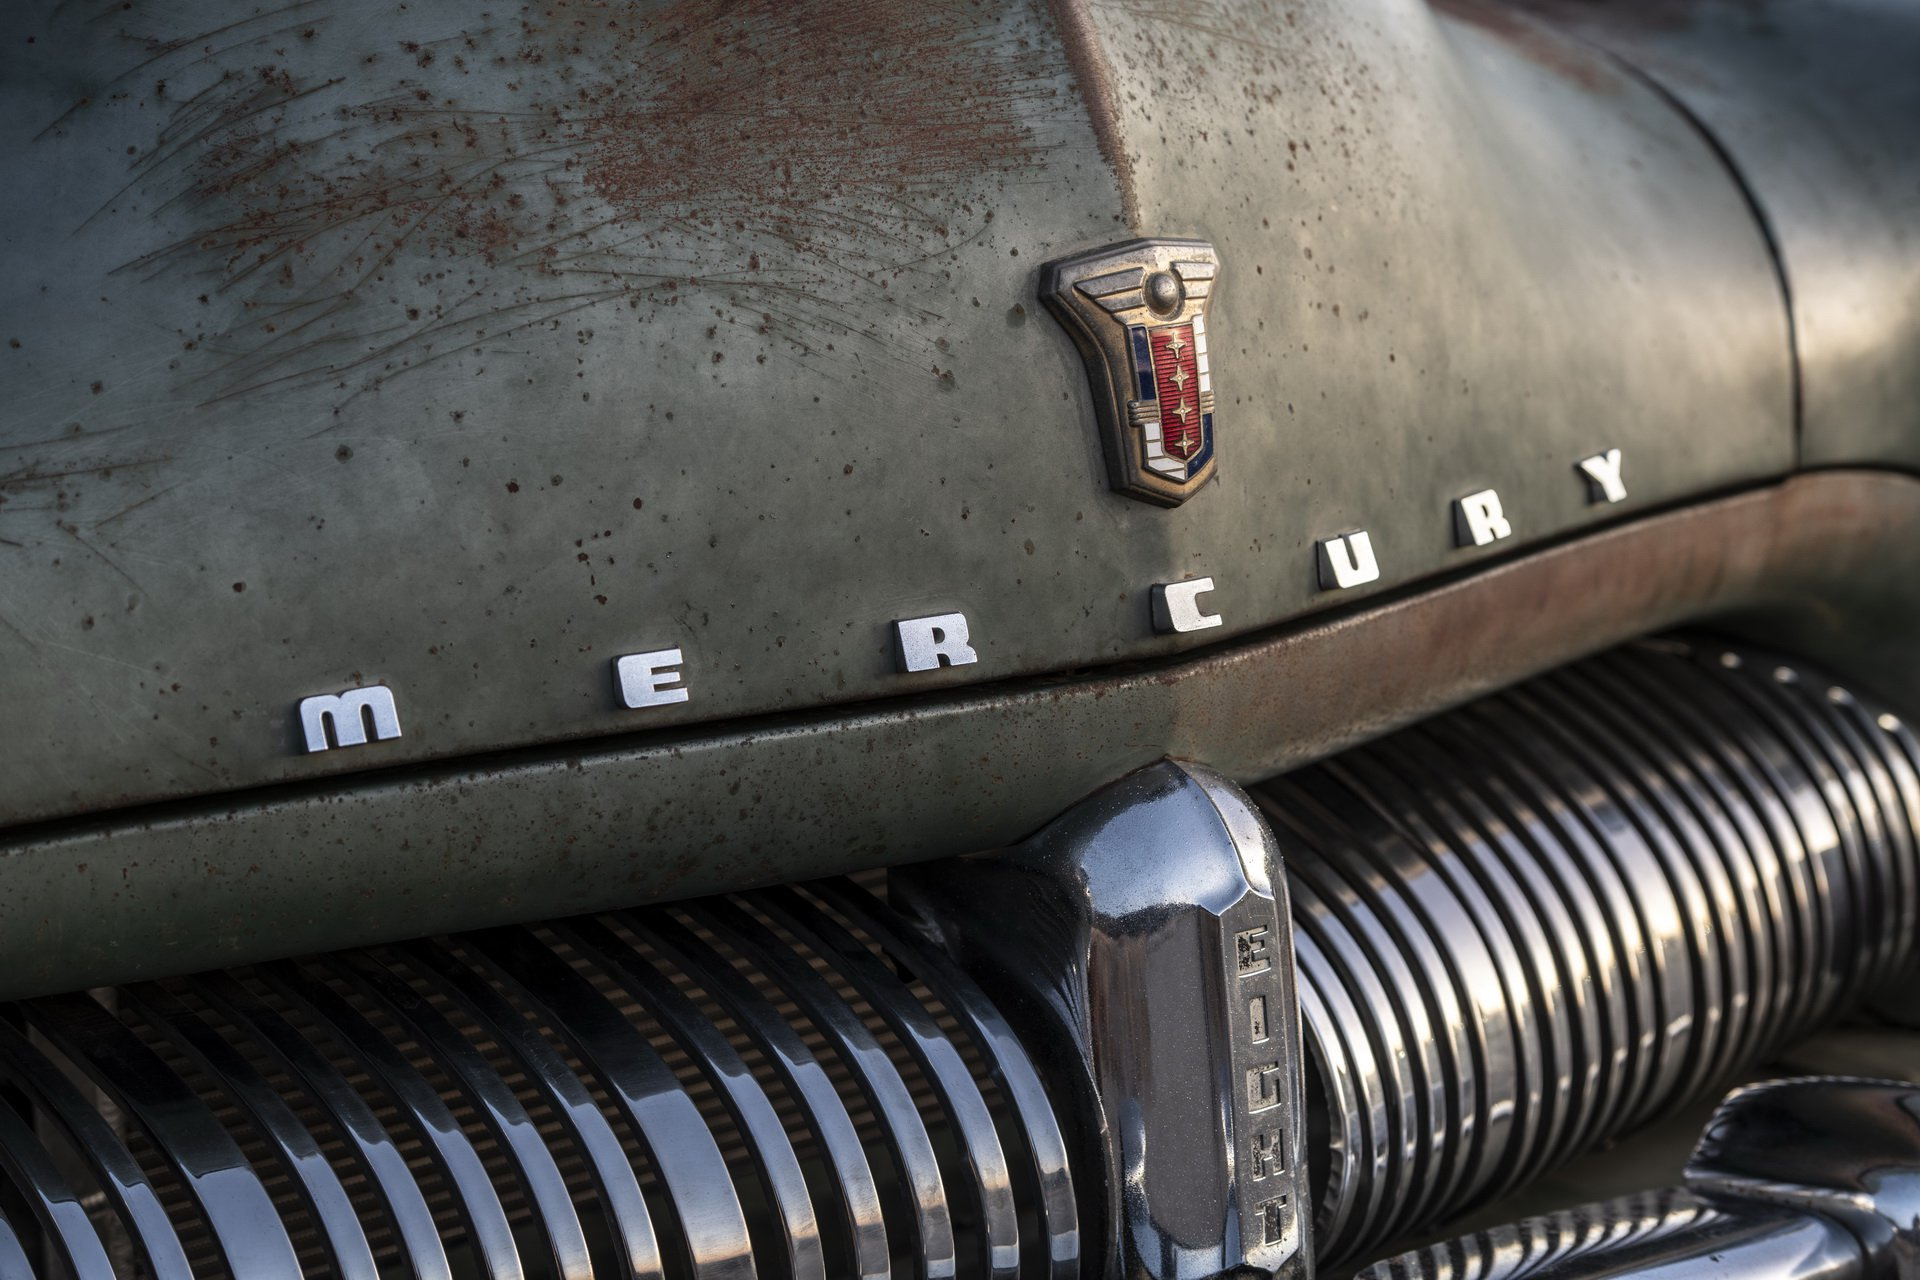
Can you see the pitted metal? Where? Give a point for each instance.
(1827, 564)
(755, 401)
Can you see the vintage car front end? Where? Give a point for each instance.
(722, 638)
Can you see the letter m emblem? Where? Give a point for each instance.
(353, 715)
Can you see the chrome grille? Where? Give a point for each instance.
(786, 1083)
(1520, 928)
(1549, 916)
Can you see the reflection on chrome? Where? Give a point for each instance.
(1815, 1179)
(1145, 932)
(1548, 917)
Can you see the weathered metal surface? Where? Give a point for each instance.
(465, 350)
(1825, 565)
(1817, 106)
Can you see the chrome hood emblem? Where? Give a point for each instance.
(1138, 312)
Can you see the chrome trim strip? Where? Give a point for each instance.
(645, 1090)
(1556, 913)
(57, 1207)
(293, 1145)
(879, 1081)
(861, 1212)
(767, 1143)
(221, 1182)
(119, 1174)
(374, 1149)
(990, 1180)
(1045, 1147)
(420, 1107)
(490, 1096)
(608, 1164)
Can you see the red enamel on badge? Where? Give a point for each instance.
(1176, 378)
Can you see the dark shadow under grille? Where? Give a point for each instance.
(785, 1083)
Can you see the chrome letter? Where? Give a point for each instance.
(650, 679)
(348, 713)
(1602, 472)
(1176, 606)
(1477, 520)
(1346, 561)
(922, 644)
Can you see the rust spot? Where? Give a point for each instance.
(1542, 44)
(1094, 74)
(809, 100)
(375, 222)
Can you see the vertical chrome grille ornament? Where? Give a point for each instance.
(1138, 313)
(1143, 942)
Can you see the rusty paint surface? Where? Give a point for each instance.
(1080, 39)
(334, 179)
(1551, 48)
(463, 349)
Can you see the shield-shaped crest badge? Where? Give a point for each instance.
(1138, 312)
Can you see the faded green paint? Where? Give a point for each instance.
(1825, 565)
(465, 353)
